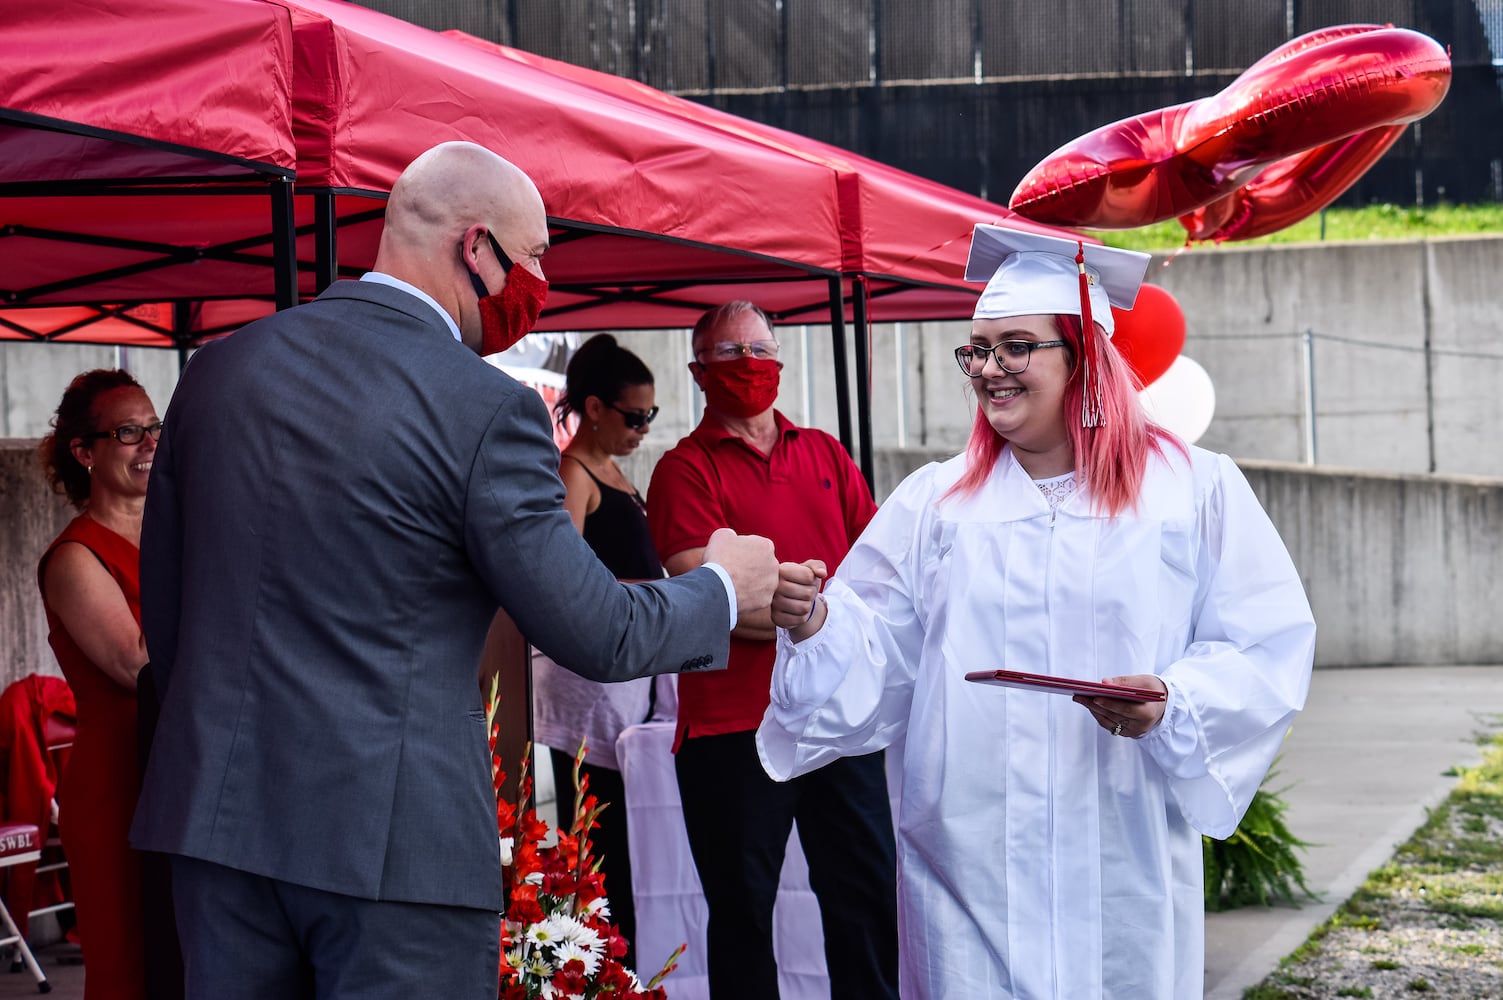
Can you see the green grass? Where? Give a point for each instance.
(1451, 868)
(1374, 222)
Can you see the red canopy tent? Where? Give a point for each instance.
(907, 235)
(904, 239)
(661, 207)
(160, 172)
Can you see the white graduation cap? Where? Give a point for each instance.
(1029, 274)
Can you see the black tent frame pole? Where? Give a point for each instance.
(283, 243)
(862, 333)
(182, 332)
(842, 366)
(325, 242)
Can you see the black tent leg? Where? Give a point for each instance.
(325, 242)
(863, 378)
(842, 373)
(182, 332)
(284, 243)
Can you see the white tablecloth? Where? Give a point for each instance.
(665, 886)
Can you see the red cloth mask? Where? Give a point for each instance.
(744, 387)
(510, 315)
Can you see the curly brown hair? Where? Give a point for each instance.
(75, 417)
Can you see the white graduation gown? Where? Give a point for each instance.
(1039, 856)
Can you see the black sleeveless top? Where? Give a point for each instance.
(617, 531)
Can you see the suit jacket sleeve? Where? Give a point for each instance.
(554, 587)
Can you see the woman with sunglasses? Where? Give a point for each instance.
(611, 392)
(99, 456)
(1050, 840)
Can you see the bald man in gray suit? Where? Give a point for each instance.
(343, 496)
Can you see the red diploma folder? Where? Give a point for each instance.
(1063, 685)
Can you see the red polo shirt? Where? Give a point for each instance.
(808, 497)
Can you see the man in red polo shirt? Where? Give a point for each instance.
(746, 466)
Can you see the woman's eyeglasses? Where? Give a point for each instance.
(1012, 356)
(636, 419)
(129, 433)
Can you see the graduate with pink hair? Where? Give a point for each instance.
(1049, 844)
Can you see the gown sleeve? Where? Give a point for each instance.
(846, 690)
(1244, 676)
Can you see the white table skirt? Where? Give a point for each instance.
(665, 886)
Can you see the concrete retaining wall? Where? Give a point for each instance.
(31, 515)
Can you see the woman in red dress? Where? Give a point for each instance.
(99, 455)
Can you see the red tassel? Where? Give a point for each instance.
(1090, 399)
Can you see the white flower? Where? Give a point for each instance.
(598, 907)
(507, 843)
(553, 931)
(536, 878)
(587, 938)
(570, 950)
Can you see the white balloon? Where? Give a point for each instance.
(1183, 399)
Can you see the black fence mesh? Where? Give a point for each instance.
(973, 93)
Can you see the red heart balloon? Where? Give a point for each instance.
(1151, 334)
(1315, 91)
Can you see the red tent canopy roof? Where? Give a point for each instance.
(661, 207)
(893, 224)
(189, 90)
(380, 91)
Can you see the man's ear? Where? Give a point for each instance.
(469, 246)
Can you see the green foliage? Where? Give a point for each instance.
(1447, 876)
(1372, 222)
(1257, 863)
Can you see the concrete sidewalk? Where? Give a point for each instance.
(1363, 762)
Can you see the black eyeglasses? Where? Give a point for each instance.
(1012, 356)
(128, 433)
(636, 419)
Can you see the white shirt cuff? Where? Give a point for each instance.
(730, 588)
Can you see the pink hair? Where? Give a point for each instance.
(1110, 458)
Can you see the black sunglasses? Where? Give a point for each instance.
(128, 433)
(635, 419)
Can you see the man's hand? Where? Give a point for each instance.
(750, 561)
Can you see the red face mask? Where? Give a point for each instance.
(742, 388)
(510, 314)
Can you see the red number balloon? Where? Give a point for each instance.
(1307, 97)
(1291, 189)
(1151, 334)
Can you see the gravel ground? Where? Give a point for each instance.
(1428, 924)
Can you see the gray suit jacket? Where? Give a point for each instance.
(341, 498)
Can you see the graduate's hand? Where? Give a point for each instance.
(1122, 717)
(795, 602)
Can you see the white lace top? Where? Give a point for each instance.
(1057, 489)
